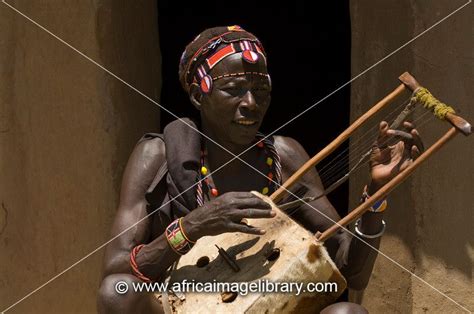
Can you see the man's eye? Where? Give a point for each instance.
(261, 91)
(234, 91)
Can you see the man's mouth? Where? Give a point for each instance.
(246, 122)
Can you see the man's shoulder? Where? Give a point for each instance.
(151, 147)
(288, 147)
(291, 152)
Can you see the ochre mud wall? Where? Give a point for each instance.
(66, 131)
(430, 216)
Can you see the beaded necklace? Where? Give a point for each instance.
(272, 160)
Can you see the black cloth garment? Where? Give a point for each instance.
(183, 148)
(177, 176)
(172, 193)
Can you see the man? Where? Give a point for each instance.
(224, 71)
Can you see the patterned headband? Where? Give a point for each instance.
(207, 58)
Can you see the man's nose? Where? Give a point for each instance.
(248, 101)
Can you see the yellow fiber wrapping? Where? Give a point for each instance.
(424, 97)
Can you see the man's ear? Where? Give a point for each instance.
(195, 96)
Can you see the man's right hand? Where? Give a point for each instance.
(225, 213)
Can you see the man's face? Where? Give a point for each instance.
(234, 109)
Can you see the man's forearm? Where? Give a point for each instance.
(363, 251)
(155, 258)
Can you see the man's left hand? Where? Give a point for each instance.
(386, 160)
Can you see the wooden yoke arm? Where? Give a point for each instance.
(459, 126)
(419, 95)
(280, 193)
(387, 188)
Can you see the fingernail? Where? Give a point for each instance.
(273, 213)
(263, 231)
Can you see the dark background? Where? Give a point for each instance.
(308, 47)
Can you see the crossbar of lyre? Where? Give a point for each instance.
(280, 193)
(459, 123)
(388, 187)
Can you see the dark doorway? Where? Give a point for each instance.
(308, 47)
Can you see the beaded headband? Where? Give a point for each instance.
(207, 58)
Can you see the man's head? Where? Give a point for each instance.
(224, 71)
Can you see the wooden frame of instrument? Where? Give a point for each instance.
(408, 83)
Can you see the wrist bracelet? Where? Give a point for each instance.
(177, 239)
(370, 236)
(378, 207)
(134, 265)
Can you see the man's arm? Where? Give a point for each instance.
(143, 164)
(342, 247)
(220, 215)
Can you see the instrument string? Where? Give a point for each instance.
(361, 165)
(359, 149)
(347, 161)
(291, 212)
(354, 145)
(369, 131)
(330, 175)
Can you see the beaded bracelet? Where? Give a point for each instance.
(134, 265)
(182, 231)
(378, 207)
(177, 239)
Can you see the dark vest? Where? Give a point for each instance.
(180, 171)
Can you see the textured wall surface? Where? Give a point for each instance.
(66, 131)
(430, 221)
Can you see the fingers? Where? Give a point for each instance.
(382, 138)
(417, 140)
(415, 152)
(236, 227)
(405, 146)
(251, 201)
(410, 127)
(254, 213)
(383, 127)
(240, 195)
(403, 135)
